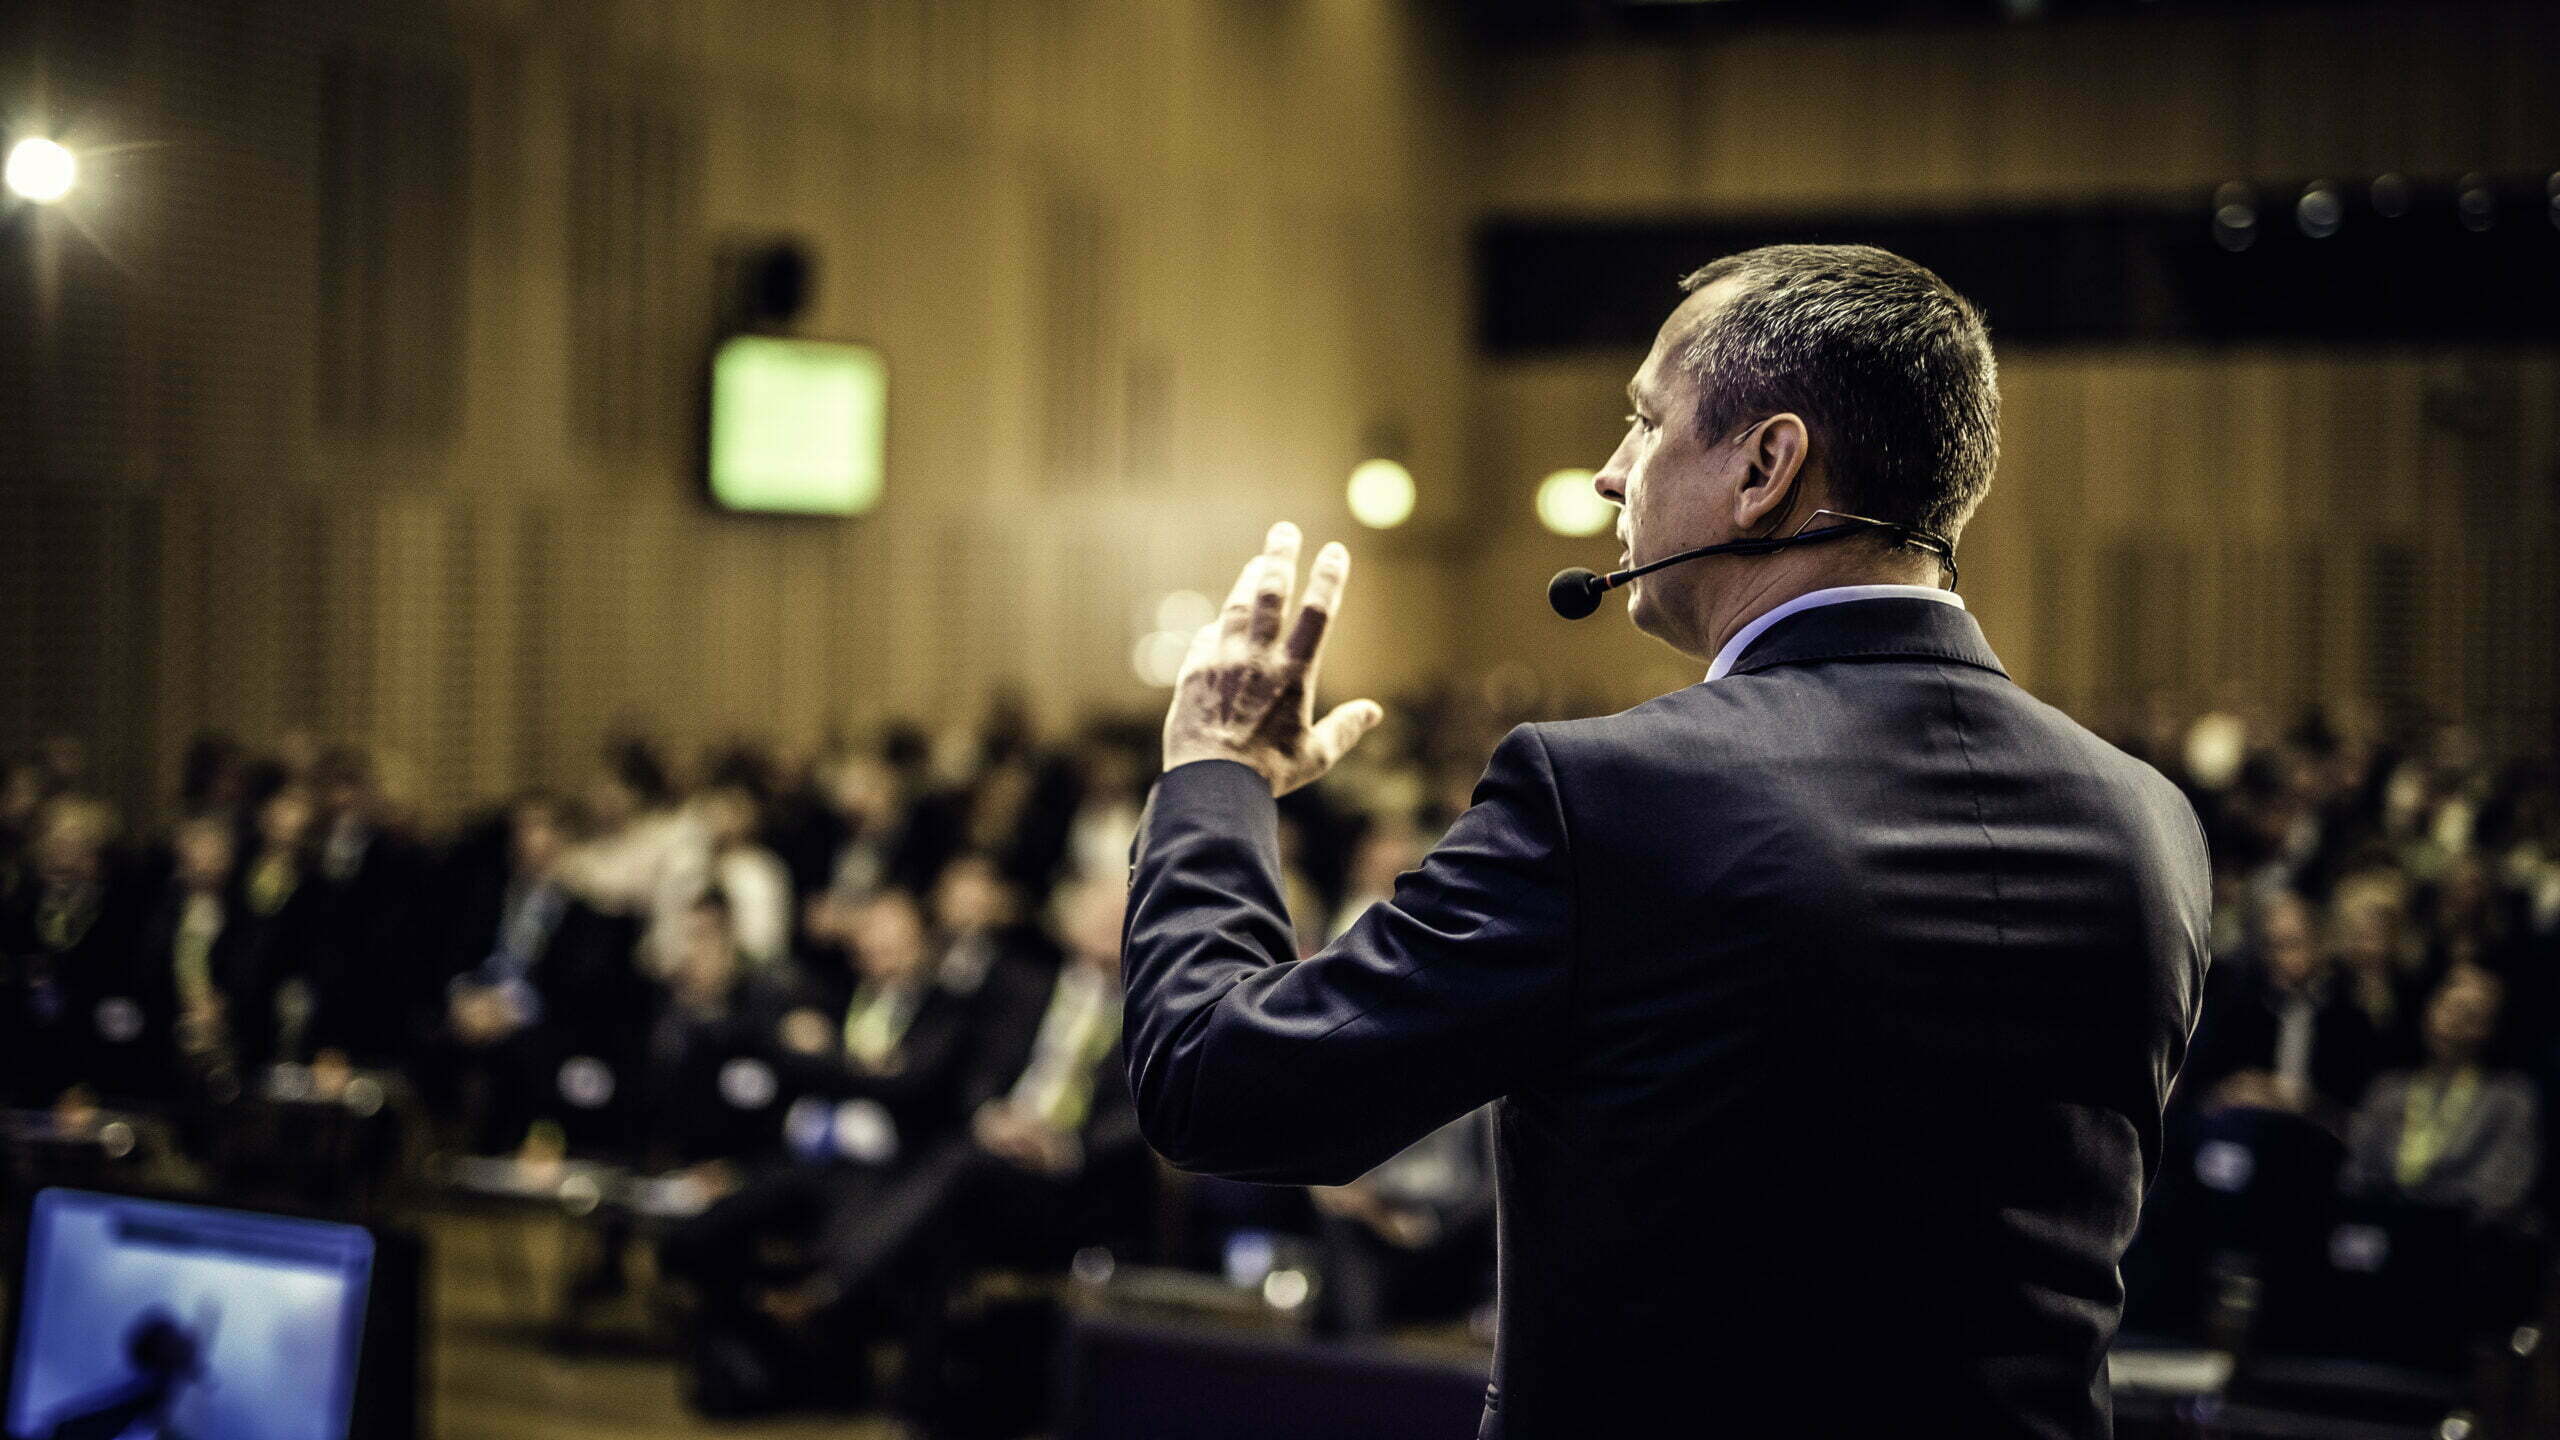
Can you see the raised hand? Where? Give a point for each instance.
(1247, 694)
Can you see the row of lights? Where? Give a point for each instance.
(1381, 496)
(2321, 210)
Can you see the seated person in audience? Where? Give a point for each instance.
(753, 877)
(279, 912)
(2379, 962)
(855, 849)
(887, 1026)
(644, 854)
(2277, 1032)
(1412, 1240)
(539, 979)
(977, 917)
(66, 944)
(1114, 776)
(715, 1015)
(1052, 1159)
(882, 1058)
(2452, 1132)
(374, 991)
(188, 963)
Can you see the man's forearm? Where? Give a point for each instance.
(1205, 913)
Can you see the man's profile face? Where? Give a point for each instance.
(1671, 482)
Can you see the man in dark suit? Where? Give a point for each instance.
(545, 1012)
(69, 1016)
(2282, 1032)
(187, 953)
(374, 985)
(1830, 1005)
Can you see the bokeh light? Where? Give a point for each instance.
(2477, 205)
(1381, 494)
(41, 170)
(1185, 611)
(2320, 211)
(1157, 657)
(1569, 506)
(2235, 217)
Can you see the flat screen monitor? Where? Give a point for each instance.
(147, 1317)
(798, 427)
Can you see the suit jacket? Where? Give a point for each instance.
(276, 949)
(690, 1117)
(150, 1066)
(594, 999)
(377, 988)
(1017, 994)
(924, 1083)
(59, 996)
(1831, 1008)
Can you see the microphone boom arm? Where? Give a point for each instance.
(1576, 592)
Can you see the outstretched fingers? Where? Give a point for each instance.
(1315, 612)
(1342, 727)
(1251, 619)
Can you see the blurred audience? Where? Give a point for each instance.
(2279, 1031)
(861, 1000)
(2453, 1131)
(1405, 1243)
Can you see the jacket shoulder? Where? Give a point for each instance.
(1693, 717)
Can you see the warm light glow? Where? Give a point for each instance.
(1158, 655)
(1381, 494)
(1285, 1289)
(1569, 506)
(41, 170)
(1185, 610)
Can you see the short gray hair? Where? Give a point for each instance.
(1889, 366)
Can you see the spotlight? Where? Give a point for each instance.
(2391, 196)
(40, 170)
(1380, 494)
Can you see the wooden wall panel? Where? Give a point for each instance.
(1148, 276)
(2263, 527)
(424, 467)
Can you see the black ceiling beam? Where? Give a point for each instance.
(2078, 276)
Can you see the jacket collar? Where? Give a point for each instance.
(1858, 629)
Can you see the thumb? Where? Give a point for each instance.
(1342, 728)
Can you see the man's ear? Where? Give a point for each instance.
(1776, 456)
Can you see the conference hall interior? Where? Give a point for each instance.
(588, 592)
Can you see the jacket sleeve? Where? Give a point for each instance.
(1248, 1063)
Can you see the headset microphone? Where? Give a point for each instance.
(1576, 592)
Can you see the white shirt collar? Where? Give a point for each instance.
(1837, 594)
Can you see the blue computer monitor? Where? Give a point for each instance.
(143, 1316)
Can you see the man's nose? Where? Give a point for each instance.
(1610, 485)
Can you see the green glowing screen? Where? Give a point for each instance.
(797, 426)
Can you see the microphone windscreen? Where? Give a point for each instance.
(1576, 592)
